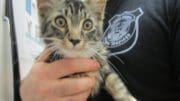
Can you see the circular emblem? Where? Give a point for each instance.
(122, 32)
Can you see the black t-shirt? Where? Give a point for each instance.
(143, 37)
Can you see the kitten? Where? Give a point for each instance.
(73, 28)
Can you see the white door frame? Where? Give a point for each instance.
(6, 73)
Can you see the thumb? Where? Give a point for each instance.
(44, 55)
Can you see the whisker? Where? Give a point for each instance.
(51, 39)
(54, 48)
(50, 45)
(111, 64)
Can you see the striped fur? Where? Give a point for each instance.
(73, 28)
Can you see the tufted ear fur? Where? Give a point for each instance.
(98, 7)
(44, 7)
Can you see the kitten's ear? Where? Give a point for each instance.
(44, 6)
(98, 6)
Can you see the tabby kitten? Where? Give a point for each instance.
(73, 28)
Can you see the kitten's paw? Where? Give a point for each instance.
(125, 98)
(132, 99)
(115, 86)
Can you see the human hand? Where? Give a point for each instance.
(45, 82)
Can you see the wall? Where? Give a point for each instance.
(2, 65)
(26, 22)
(29, 46)
(6, 77)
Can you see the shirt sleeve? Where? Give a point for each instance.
(175, 37)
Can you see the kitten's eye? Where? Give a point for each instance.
(88, 24)
(60, 21)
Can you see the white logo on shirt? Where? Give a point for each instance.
(123, 31)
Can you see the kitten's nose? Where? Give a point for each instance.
(74, 41)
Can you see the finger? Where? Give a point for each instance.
(52, 98)
(72, 86)
(67, 67)
(44, 55)
(83, 96)
(78, 97)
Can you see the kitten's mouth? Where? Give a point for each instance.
(71, 53)
(75, 49)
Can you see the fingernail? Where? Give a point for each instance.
(96, 64)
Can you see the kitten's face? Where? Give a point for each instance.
(71, 26)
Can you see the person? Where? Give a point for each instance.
(143, 37)
(44, 84)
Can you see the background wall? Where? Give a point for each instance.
(6, 77)
(1, 53)
(1, 21)
(26, 22)
(29, 46)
